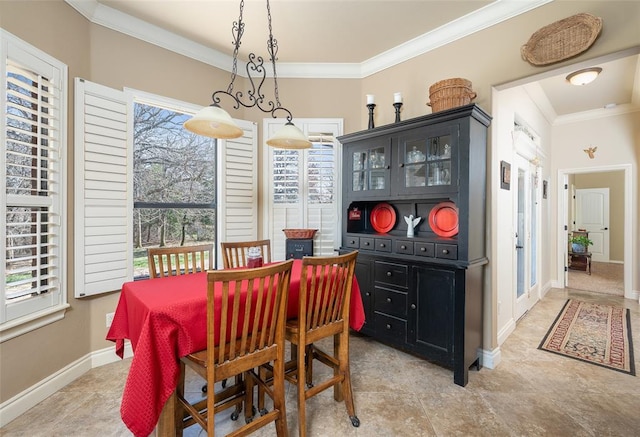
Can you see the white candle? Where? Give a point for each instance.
(370, 99)
(397, 97)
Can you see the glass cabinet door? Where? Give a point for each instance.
(415, 157)
(439, 160)
(427, 161)
(370, 169)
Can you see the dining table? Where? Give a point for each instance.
(165, 319)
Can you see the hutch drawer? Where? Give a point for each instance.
(391, 274)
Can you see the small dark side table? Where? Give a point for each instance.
(580, 261)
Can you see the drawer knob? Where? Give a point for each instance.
(445, 251)
(388, 326)
(353, 241)
(366, 243)
(389, 274)
(403, 247)
(401, 165)
(423, 249)
(413, 306)
(382, 245)
(368, 293)
(389, 299)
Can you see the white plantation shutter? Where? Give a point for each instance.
(32, 198)
(237, 213)
(304, 186)
(103, 189)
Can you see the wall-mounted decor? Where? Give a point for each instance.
(561, 40)
(505, 175)
(544, 189)
(591, 151)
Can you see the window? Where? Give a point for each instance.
(304, 186)
(33, 173)
(174, 183)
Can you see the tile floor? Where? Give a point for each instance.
(531, 393)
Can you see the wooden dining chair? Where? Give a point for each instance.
(323, 311)
(234, 254)
(246, 315)
(180, 260)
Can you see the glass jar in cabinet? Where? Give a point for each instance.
(427, 160)
(367, 172)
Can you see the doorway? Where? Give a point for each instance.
(581, 193)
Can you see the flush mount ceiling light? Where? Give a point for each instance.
(213, 121)
(585, 76)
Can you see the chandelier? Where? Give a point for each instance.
(213, 121)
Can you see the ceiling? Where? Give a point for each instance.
(335, 37)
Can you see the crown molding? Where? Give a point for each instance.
(492, 14)
(595, 114)
(118, 21)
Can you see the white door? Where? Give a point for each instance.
(527, 225)
(592, 214)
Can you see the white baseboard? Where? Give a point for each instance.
(506, 331)
(32, 396)
(490, 359)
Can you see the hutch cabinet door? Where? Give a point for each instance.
(431, 312)
(427, 160)
(367, 170)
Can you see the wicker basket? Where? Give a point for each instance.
(299, 234)
(450, 93)
(562, 40)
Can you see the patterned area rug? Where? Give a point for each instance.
(597, 334)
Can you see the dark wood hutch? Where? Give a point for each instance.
(422, 294)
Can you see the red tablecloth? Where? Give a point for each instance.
(165, 318)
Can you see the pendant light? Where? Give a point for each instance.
(213, 121)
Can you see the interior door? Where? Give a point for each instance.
(526, 219)
(592, 214)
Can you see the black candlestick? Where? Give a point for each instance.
(397, 105)
(371, 106)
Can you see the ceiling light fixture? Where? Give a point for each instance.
(584, 76)
(213, 121)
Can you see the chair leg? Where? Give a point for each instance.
(337, 352)
(179, 410)
(262, 373)
(238, 407)
(301, 380)
(347, 392)
(308, 353)
(248, 400)
(278, 398)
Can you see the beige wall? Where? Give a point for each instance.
(488, 58)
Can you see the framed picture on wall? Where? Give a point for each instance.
(505, 175)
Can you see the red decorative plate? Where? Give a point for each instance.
(443, 219)
(383, 217)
